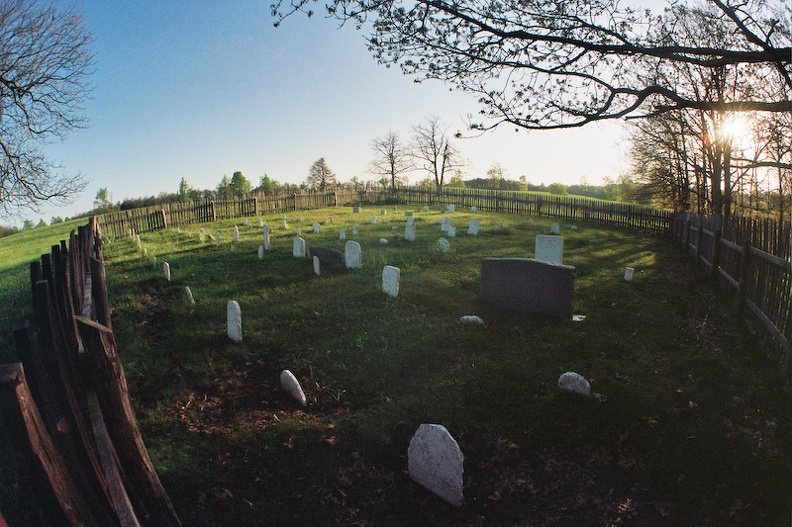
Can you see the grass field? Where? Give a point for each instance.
(688, 424)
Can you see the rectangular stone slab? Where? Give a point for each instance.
(528, 285)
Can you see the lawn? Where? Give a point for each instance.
(688, 423)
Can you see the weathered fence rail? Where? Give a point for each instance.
(68, 402)
(751, 258)
(125, 223)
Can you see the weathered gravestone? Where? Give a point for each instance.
(383, 212)
(260, 252)
(574, 383)
(528, 285)
(298, 248)
(189, 295)
(292, 386)
(342, 234)
(549, 248)
(317, 266)
(316, 227)
(137, 240)
(261, 222)
(409, 232)
(373, 220)
(244, 221)
(408, 213)
(236, 234)
(628, 274)
(555, 228)
(473, 209)
(411, 220)
(284, 225)
(451, 209)
(355, 210)
(352, 255)
(328, 256)
(472, 320)
(445, 224)
(166, 271)
(266, 238)
(442, 245)
(390, 280)
(426, 208)
(473, 226)
(383, 241)
(234, 317)
(217, 240)
(435, 461)
(451, 231)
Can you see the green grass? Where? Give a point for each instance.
(688, 425)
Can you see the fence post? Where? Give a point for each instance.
(745, 262)
(716, 252)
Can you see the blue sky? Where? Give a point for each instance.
(199, 89)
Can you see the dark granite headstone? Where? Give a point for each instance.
(528, 285)
(328, 256)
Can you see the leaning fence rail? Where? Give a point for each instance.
(751, 257)
(67, 400)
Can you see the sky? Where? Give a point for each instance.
(197, 90)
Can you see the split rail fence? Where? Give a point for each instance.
(67, 400)
(751, 257)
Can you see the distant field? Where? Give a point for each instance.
(688, 424)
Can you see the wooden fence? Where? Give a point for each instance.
(67, 401)
(752, 259)
(649, 219)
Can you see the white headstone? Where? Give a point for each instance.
(383, 212)
(236, 234)
(505, 226)
(201, 234)
(244, 221)
(555, 228)
(530, 221)
(137, 240)
(473, 226)
(628, 274)
(234, 321)
(298, 248)
(261, 252)
(575, 383)
(316, 227)
(266, 238)
(292, 386)
(217, 240)
(383, 241)
(373, 219)
(317, 266)
(261, 222)
(166, 271)
(549, 248)
(390, 280)
(284, 225)
(145, 251)
(451, 208)
(445, 225)
(411, 220)
(299, 220)
(426, 208)
(299, 231)
(409, 232)
(435, 461)
(451, 231)
(443, 246)
(471, 320)
(352, 255)
(190, 297)
(354, 232)
(473, 209)
(232, 248)
(573, 227)
(342, 234)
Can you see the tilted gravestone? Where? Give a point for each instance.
(298, 248)
(409, 232)
(234, 317)
(390, 280)
(317, 266)
(352, 255)
(473, 226)
(574, 383)
(528, 285)
(166, 271)
(260, 252)
(435, 461)
(316, 227)
(188, 293)
(442, 245)
(292, 386)
(373, 220)
(328, 256)
(549, 248)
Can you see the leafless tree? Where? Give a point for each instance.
(45, 63)
(320, 176)
(542, 65)
(391, 158)
(433, 151)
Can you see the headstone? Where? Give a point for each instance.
(496, 228)
(244, 221)
(505, 226)
(390, 280)
(445, 224)
(189, 295)
(408, 213)
(555, 229)
(217, 240)
(473, 226)
(528, 285)
(530, 221)
(317, 266)
(261, 222)
(411, 220)
(298, 248)
(284, 225)
(574, 383)
(442, 245)
(451, 209)
(201, 234)
(236, 234)
(451, 231)
(328, 256)
(373, 220)
(166, 271)
(354, 232)
(473, 209)
(383, 241)
(137, 240)
(232, 248)
(353, 255)
(549, 248)
(234, 321)
(292, 386)
(299, 231)
(316, 227)
(426, 208)
(155, 261)
(573, 227)
(628, 274)
(266, 238)
(355, 210)
(409, 232)
(383, 212)
(435, 461)
(324, 222)
(342, 234)
(260, 252)
(472, 320)
(299, 219)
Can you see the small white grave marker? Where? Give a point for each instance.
(298, 248)
(435, 461)
(244, 221)
(266, 238)
(217, 240)
(232, 248)
(628, 274)
(190, 297)
(299, 231)
(442, 245)
(342, 234)
(292, 386)
(352, 255)
(316, 227)
(574, 383)
(137, 240)
(409, 232)
(373, 220)
(549, 248)
(234, 317)
(472, 320)
(236, 234)
(451, 209)
(317, 266)
(166, 271)
(445, 224)
(390, 280)
(383, 212)
(451, 231)
(426, 208)
(284, 225)
(383, 241)
(555, 228)
(473, 226)
(354, 232)
(473, 209)
(261, 222)
(530, 221)
(260, 252)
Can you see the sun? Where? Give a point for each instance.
(738, 128)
